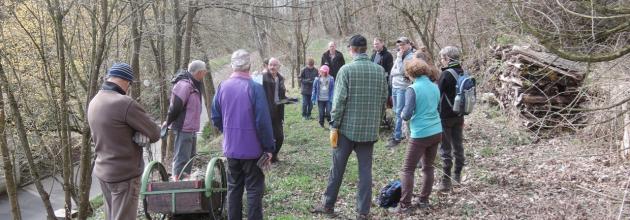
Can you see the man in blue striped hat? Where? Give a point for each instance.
(120, 128)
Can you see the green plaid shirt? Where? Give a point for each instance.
(359, 100)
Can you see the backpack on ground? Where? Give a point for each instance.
(389, 196)
(465, 93)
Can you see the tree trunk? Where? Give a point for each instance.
(137, 16)
(259, 36)
(208, 96)
(85, 171)
(159, 51)
(192, 11)
(177, 40)
(298, 43)
(57, 15)
(9, 176)
(323, 19)
(626, 131)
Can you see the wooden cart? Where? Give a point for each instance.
(203, 199)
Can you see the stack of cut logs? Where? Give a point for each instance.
(543, 88)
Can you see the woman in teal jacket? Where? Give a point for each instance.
(421, 110)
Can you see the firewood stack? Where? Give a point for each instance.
(543, 88)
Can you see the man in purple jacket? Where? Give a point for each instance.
(184, 114)
(240, 112)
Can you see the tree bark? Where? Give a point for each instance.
(57, 14)
(192, 11)
(177, 40)
(626, 132)
(298, 43)
(98, 52)
(137, 17)
(159, 51)
(209, 90)
(8, 167)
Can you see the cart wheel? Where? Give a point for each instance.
(216, 188)
(154, 172)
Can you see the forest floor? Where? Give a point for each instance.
(506, 176)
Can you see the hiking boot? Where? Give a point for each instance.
(457, 178)
(445, 185)
(363, 216)
(400, 210)
(321, 209)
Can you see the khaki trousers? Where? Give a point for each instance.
(121, 199)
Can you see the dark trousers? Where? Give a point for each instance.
(324, 111)
(452, 137)
(278, 135)
(244, 174)
(341, 153)
(424, 149)
(307, 106)
(185, 148)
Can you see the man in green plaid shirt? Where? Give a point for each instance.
(358, 107)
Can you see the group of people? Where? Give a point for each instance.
(248, 108)
(421, 98)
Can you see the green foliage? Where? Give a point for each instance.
(487, 151)
(505, 39)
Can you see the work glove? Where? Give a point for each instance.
(334, 136)
(141, 139)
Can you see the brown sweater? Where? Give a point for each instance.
(113, 119)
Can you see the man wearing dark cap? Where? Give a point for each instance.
(399, 86)
(358, 106)
(120, 128)
(333, 58)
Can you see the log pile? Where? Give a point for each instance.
(542, 88)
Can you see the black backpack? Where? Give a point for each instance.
(389, 196)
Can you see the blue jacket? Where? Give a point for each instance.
(315, 95)
(240, 112)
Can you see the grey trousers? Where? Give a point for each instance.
(452, 137)
(121, 199)
(364, 152)
(244, 174)
(185, 148)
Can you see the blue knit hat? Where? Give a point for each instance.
(121, 70)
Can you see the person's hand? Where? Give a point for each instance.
(141, 139)
(400, 53)
(405, 128)
(334, 137)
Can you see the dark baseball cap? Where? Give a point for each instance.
(403, 40)
(357, 41)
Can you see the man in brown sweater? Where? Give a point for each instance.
(120, 127)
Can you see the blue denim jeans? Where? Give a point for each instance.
(307, 106)
(398, 99)
(324, 111)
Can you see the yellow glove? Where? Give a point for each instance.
(334, 135)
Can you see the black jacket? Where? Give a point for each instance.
(387, 60)
(269, 85)
(307, 77)
(447, 84)
(334, 64)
